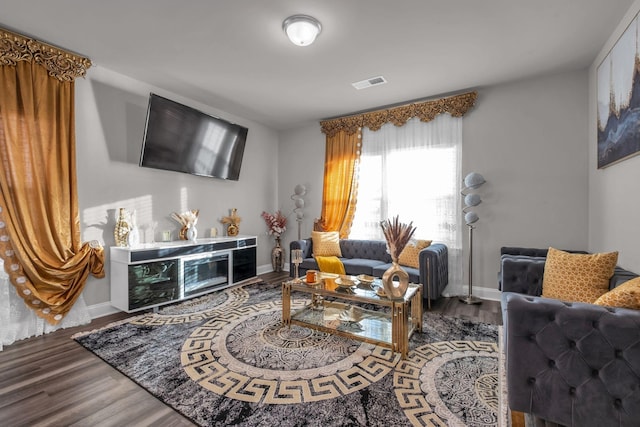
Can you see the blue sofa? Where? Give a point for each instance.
(371, 257)
(569, 364)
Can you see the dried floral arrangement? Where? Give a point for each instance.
(187, 219)
(276, 223)
(397, 235)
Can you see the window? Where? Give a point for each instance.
(413, 171)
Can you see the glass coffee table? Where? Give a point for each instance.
(356, 310)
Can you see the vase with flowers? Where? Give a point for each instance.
(276, 224)
(397, 235)
(188, 221)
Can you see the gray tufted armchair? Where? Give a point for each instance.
(570, 364)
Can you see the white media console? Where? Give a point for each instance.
(155, 274)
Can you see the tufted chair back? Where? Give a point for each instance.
(571, 363)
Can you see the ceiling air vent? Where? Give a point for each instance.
(373, 81)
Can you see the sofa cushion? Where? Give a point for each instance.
(577, 277)
(410, 254)
(326, 243)
(355, 266)
(626, 295)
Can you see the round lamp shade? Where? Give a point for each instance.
(470, 218)
(473, 180)
(302, 30)
(472, 200)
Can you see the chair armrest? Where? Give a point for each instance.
(522, 274)
(572, 363)
(434, 269)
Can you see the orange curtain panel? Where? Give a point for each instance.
(340, 187)
(39, 219)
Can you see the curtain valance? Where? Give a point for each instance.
(426, 111)
(61, 64)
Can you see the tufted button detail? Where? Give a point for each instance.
(572, 344)
(572, 391)
(617, 403)
(552, 363)
(531, 380)
(552, 318)
(594, 373)
(532, 337)
(595, 324)
(618, 354)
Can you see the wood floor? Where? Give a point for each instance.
(53, 381)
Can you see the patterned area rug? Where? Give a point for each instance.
(226, 360)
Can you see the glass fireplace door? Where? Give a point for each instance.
(204, 273)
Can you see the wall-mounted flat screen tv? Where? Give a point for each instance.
(183, 139)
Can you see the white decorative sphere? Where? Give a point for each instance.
(472, 200)
(473, 180)
(470, 217)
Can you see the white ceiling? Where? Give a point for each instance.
(234, 56)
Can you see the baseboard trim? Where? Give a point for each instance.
(102, 309)
(478, 291)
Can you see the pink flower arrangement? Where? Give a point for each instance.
(277, 223)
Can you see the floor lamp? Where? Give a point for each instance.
(471, 182)
(298, 199)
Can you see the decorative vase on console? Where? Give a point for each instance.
(188, 220)
(121, 231)
(397, 235)
(233, 223)
(192, 233)
(133, 238)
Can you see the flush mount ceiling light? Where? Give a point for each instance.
(302, 30)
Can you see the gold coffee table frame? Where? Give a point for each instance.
(330, 311)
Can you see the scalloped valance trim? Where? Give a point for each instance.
(61, 64)
(456, 105)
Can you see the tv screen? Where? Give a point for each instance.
(183, 139)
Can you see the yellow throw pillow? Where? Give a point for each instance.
(326, 243)
(410, 254)
(626, 295)
(577, 277)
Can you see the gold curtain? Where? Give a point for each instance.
(344, 136)
(340, 182)
(39, 220)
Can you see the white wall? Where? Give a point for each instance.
(301, 154)
(110, 116)
(528, 140)
(613, 191)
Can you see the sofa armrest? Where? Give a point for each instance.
(434, 269)
(572, 363)
(522, 274)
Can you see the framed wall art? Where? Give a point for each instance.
(618, 80)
